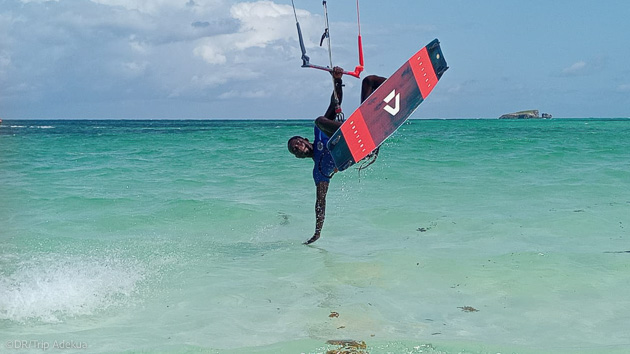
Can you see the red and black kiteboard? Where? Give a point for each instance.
(388, 107)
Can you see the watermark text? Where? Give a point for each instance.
(18, 344)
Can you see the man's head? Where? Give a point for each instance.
(300, 147)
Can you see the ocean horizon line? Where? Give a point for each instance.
(291, 119)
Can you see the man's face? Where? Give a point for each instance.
(301, 148)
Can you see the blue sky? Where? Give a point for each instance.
(217, 59)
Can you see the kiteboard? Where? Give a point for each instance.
(388, 107)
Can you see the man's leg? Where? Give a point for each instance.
(370, 83)
(329, 127)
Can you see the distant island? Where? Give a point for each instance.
(531, 114)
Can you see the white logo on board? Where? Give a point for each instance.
(389, 109)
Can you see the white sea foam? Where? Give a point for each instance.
(52, 287)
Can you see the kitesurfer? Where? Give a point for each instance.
(325, 127)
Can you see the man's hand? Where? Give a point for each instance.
(312, 239)
(337, 72)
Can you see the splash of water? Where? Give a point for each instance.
(49, 288)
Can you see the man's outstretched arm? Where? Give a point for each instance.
(320, 211)
(331, 112)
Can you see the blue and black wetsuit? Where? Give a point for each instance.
(324, 165)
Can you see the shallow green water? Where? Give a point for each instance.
(186, 236)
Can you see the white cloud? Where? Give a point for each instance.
(108, 50)
(135, 68)
(244, 94)
(169, 9)
(623, 88)
(577, 68)
(584, 68)
(199, 84)
(211, 53)
(260, 24)
(226, 75)
(5, 61)
(145, 6)
(138, 46)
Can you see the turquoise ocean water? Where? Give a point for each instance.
(466, 236)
